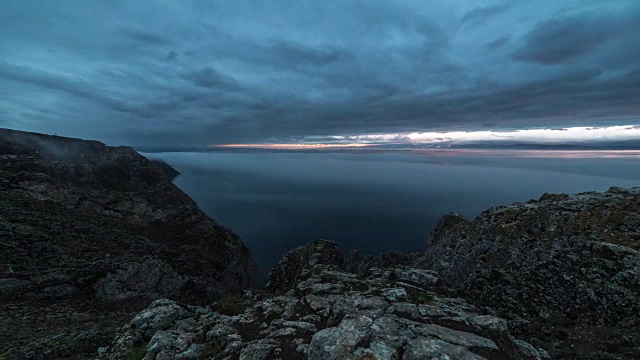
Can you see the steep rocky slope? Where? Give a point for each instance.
(89, 234)
(314, 309)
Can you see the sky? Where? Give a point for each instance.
(201, 73)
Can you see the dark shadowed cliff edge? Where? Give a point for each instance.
(91, 234)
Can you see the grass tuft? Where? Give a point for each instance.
(138, 352)
(419, 297)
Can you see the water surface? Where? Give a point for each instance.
(374, 202)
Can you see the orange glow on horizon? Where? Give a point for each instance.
(291, 146)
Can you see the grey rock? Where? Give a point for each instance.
(528, 351)
(326, 345)
(258, 350)
(426, 348)
(302, 325)
(367, 316)
(150, 279)
(160, 341)
(158, 316)
(394, 294)
(220, 330)
(418, 277)
(195, 351)
(301, 263)
(456, 337)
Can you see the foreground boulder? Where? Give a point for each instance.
(317, 310)
(89, 234)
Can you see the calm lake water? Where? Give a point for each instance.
(375, 202)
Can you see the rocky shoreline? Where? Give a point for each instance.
(103, 257)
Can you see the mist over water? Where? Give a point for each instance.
(372, 202)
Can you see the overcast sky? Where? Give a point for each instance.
(213, 72)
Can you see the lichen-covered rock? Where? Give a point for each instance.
(427, 348)
(325, 312)
(299, 264)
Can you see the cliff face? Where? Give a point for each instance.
(85, 228)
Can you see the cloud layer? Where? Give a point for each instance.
(206, 72)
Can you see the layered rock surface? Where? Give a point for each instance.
(315, 309)
(89, 234)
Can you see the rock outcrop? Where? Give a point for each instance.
(89, 234)
(317, 310)
(564, 269)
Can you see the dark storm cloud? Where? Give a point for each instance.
(484, 13)
(498, 43)
(172, 55)
(546, 101)
(44, 80)
(561, 39)
(211, 78)
(218, 72)
(295, 54)
(142, 36)
(24, 74)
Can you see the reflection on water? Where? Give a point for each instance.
(377, 201)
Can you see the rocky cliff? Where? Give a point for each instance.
(89, 234)
(565, 268)
(314, 309)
